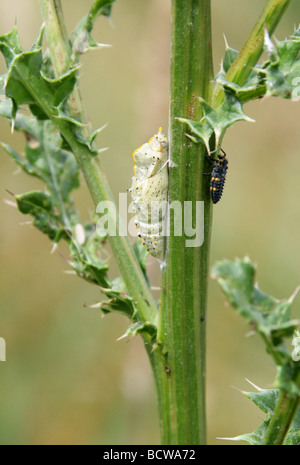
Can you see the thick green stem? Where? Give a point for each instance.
(253, 48)
(286, 407)
(182, 329)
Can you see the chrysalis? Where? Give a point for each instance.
(149, 191)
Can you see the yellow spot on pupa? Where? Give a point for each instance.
(136, 151)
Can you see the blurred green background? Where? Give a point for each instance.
(66, 379)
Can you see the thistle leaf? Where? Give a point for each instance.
(25, 82)
(282, 70)
(216, 120)
(39, 205)
(266, 400)
(269, 316)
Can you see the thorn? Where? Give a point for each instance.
(239, 390)
(111, 22)
(10, 203)
(97, 131)
(63, 257)
(250, 333)
(10, 193)
(225, 40)
(17, 171)
(99, 45)
(26, 223)
(97, 305)
(124, 336)
(254, 385)
(72, 272)
(12, 126)
(53, 248)
(229, 439)
(102, 127)
(104, 149)
(294, 294)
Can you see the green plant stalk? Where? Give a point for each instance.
(253, 47)
(94, 12)
(60, 52)
(286, 408)
(182, 315)
(278, 427)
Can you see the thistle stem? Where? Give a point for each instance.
(253, 47)
(182, 315)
